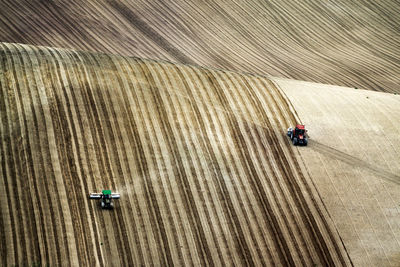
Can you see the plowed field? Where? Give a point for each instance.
(173, 105)
(350, 43)
(206, 174)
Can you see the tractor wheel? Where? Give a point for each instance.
(295, 141)
(111, 205)
(102, 204)
(305, 142)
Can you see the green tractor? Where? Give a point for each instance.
(106, 198)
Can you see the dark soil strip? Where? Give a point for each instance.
(235, 223)
(127, 113)
(136, 143)
(6, 158)
(66, 155)
(32, 153)
(157, 223)
(215, 168)
(45, 164)
(85, 176)
(195, 111)
(250, 168)
(108, 133)
(148, 31)
(30, 183)
(197, 177)
(91, 114)
(50, 99)
(179, 169)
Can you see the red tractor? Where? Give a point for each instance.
(298, 135)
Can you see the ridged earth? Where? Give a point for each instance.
(351, 43)
(199, 154)
(206, 175)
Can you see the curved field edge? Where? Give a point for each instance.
(205, 172)
(350, 43)
(353, 158)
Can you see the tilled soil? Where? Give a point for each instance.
(205, 172)
(349, 43)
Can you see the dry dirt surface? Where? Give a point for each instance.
(199, 153)
(206, 174)
(351, 43)
(353, 158)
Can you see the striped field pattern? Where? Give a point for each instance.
(341, 42)
(200, 157)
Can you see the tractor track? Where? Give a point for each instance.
(131, 128)
(354, 161)
(306, 184)
(210, 169)
(198, 156)
(113, 137)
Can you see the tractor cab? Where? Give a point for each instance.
(106, 193)
(299, 131)
(106, 198)
(298, 135)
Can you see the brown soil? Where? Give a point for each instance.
(337, 42)
(205, 174)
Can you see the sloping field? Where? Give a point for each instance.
(353, 158)
(206, 175)
(351, 43)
